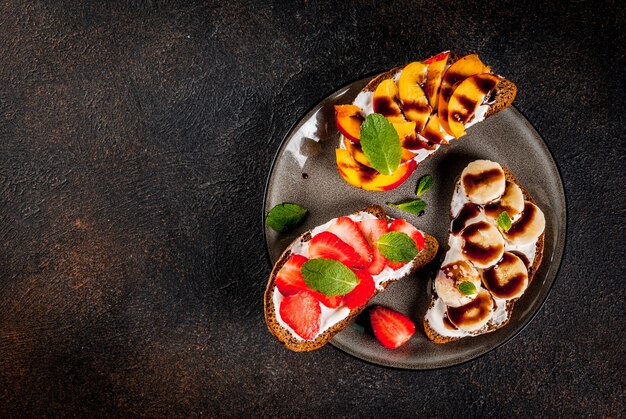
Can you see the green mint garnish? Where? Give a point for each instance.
(504, 221)
(381, 144)
(284, 217)
(467, 288)
(425, 183)
(397, 246)
(329, 277)
(414, 207)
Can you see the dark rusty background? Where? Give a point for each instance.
(135, 140)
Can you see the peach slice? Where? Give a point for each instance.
(459, 71)
(356, 152)
(348, 119)
(386, 99)
(367, 178)
(434, 74)
(414, 101)
(466, 98)
(433, 132)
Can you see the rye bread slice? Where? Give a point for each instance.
(283, 335)
(491, 327)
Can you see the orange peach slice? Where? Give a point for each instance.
(433, 133)
(459, 71)
(414, 101)
(367, 178)
(466, 98)
(348, 119)
(434, 74)
(357, 153)
(386, 99)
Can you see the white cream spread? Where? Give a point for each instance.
(332, 316)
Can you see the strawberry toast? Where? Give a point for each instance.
(327, 275)
(426, 104)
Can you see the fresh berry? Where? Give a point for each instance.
(289, 279)
(372, 230)
(302, 313)
(392, 329)
(363, 291)
(401, 225)
(328, 301)
(348, 231)
(327, 245)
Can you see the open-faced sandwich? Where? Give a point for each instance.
(404, 115)
(495, 248)
(327, 275)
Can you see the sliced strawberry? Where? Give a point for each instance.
(362, 293)
(348, 231)
(401, 225)
(372, 230)
(327, 245)
(392, 329)
(302, 313)
(289, 279)
(330, 302)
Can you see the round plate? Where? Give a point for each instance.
(304, 172)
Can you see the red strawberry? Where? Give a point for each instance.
(362, 293)
(289, 279)
(330, 302)
(392, 329)
(400, 224)
(348, 231)
(302, 313)
(372, 230)
(327, 245)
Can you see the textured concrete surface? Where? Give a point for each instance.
(135, 140)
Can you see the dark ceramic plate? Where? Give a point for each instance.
(305, 172)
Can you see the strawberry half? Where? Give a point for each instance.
(401, 225)
(349, 232)
(302, 313)
(372, 230)
(363, 291)
(392, 329)
(289, 279)
(330, 302)
(327, 245)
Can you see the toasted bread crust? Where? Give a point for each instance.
(436, 337)
(283, 335)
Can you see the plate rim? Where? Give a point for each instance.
(500, 344)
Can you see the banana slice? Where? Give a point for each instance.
(448, 279)
(472, 316)
(512, 202)
(483, 181)
(529, 227)
(482, 244)
(508, 279)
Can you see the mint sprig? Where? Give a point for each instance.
(467, 288)
(285, 217)
(413, 207)
(381, 144)
(329, 277)
(397, 246)
(504, 221)
(424, 184)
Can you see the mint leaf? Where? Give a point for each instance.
(328, 276)
(467, 288)
(284, 217)
(425, 183)
(397, 246)
(504, 221)
(414, 207)
(381, 144)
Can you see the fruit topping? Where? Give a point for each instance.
(401, 225)
(450, 277)
(512, 201)
(385, 101)
(289, 279)
(348, 231)
(329, 246)
(302, 313)
(414, 101)
(483, 181)
(508, 279)
(372, 230)
(361, 176)
(434, 74)
(482, 244)
(466, 98)
(474, 315)
(362, 293)
(348, 119)
(528, 227)
(391, 328)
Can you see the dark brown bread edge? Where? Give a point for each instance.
(291, 342)
(436, 337)
(505, 91)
